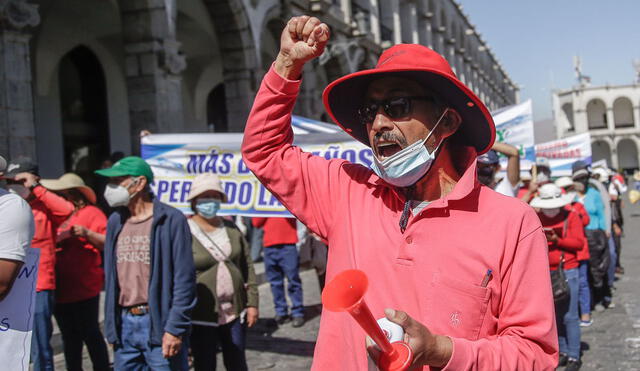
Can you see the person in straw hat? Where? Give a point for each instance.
(226, 281)
(418, 223)
(79, 275)
(565, 236)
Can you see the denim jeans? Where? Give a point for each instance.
(584, 291)
(611, 272)
(281, 261)
(231, 337)
(567, 318)
(135, 353)
(79, 325)
(41, 351)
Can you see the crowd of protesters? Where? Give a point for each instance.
(581, 216)
(165, 277)
(148, 246)
(176, 286)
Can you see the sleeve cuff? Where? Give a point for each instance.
(38, 191)
(281, 85)
(460, 355)
(13, 256)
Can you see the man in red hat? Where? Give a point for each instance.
(464, 268)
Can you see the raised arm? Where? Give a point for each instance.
(513, 161)
(305, 184)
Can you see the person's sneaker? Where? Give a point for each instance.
(619, 270)
(281, 320)
(609, 304)
(562, 359)
(297, 321)
(584, 323)
(573, 364)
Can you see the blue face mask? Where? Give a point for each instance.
(208, 207)
(406, 167)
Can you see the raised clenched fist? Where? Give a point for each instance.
(303, 39)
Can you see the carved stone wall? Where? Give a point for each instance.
(17, 129)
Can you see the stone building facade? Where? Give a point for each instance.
(79, 79)
(610, 113)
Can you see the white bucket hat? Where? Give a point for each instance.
(564, 181)
(70, 181)
(550, 197)
(206, 182)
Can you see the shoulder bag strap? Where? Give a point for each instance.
(213, 244)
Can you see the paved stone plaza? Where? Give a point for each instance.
(612, 343)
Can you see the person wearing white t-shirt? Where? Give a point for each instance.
(489, 166)
(16, 232)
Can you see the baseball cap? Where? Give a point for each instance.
(132, 165)
(489, 158)
(20, 165)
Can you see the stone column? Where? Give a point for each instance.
(153, 66)
(17, 125)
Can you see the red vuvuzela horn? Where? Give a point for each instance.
(346, 293)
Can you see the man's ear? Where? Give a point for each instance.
(450, 123)
(142, 182)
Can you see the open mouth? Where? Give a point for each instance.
(387, 149)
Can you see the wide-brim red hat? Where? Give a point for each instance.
(344, 96)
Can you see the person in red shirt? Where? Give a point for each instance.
(447, 259)
(79, 275)
(565, 236)
(49, 211)
(584, 292)
(280, 260)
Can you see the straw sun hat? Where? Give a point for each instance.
(70, 181)
(550, 197)
(206, 182)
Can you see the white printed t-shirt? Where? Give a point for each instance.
(505, 188)
(16, 226)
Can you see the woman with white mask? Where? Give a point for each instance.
(226, 282)
(564, 230)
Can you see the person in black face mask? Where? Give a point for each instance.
(489, 166)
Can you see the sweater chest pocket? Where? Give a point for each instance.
(457, 308)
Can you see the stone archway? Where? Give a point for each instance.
(84, 113)
(239, 62)
(627, 151)
(623, 113)
(601, 149)
(567, 114)
(99, 31)
(597, 114)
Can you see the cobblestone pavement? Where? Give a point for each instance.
(612, 343)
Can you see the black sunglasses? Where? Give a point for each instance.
(395, 108)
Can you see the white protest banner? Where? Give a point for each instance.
(514, 125)
(16, 316)
(562, 153)
(176, 159)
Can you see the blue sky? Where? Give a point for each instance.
(535, 41)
